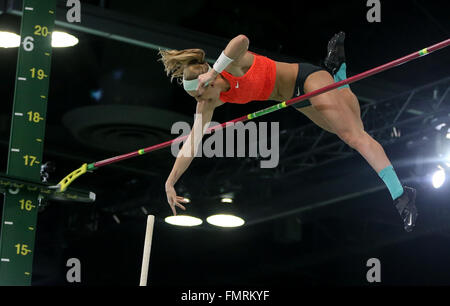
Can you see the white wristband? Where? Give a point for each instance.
(222, 62)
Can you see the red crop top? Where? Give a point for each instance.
(256, 84)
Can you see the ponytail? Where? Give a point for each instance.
(188, 63)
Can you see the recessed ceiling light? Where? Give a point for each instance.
(223, 220)
(226, 200)
(181, 220)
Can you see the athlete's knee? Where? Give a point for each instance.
(326, 102)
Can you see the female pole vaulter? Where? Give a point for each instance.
(240, 76)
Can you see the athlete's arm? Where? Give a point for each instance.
(204, 113)
(235, 50)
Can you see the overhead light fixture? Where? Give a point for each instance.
(227, 200)
(223, 220)
(438, 178)
(442, 126)
(63, 40)
(59, 40)
(439, 126)
(9, 40)
(183, 220)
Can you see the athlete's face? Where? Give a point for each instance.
(211, 93)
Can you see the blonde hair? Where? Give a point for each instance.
(189, 63)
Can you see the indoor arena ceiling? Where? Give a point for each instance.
(117, 57)
(112, 81)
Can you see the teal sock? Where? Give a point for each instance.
(392, 182)
(341, 75)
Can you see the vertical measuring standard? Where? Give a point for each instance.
(26, 141)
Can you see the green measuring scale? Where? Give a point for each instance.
(26, 142)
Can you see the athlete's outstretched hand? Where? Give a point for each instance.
(204, 80)
(173, 199)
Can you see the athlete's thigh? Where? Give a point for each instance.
(315, 117)
(331, 104)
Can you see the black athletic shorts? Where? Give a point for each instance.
(304, 70)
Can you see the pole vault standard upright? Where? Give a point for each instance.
(64, 183)
(19, 218)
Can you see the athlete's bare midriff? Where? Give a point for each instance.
(286, 76)
(285, 81)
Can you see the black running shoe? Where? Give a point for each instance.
(406, 207)
(335, 53)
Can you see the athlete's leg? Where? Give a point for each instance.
(348, 95)
(335, 64)
(304, 70)
(349, 113)
(339, 108)
(315, 117)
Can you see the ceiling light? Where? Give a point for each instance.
(225, 220)
(181, 220)
(439, 126)
(63, 40)
(9, 40)
(59, 40)
(438, 178)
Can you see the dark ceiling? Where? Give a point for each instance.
(317, 226)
